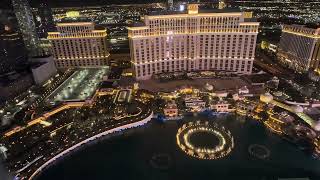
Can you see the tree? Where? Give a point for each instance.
(265, 44)
(132, 108)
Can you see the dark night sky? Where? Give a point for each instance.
(77, 3)
(4, 4)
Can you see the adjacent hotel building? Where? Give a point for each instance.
(79, 44)
(300, 47)
(195, 40)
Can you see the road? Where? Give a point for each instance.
(276, 69)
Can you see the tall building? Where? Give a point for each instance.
(44, 20)
(13, 54)
(300, 47)
(26, 23)
(195, 40)
(12, 51)
(79, 44)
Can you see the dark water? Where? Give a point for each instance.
(204, 140)
(128, 156)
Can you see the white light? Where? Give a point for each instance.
(181, 7)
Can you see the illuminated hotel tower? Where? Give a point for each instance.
(26, 24)
(79, 44)
(222, 41)
(300, 47)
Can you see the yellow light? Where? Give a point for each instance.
(248, 14)
(302, 34)
(249, 23)
(196, 15)
(75, 24)
(99, 31)
(73, 14)
(57, 36)
(193, 8)
(138, 28)
(53, 33)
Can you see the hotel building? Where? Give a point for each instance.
(79, 44)
(195, 40)
(300, 47)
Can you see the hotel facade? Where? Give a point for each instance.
(222, 41)
(300, 47)
(79, 44)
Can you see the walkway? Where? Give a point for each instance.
(301, 115)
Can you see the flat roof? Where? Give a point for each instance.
(200, 10)
(75, 20)
(35, 65)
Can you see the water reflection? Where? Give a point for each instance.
(128, 156)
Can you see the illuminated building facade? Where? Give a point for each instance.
(223, 41)
(171, 109)
(300, 47)
(79, 44)
(27, 26)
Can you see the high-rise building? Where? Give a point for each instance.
(79, 44)
(26, 23)
(300, 47)
(13, 54)
(196, 40)
(44, 20)
(12, 51)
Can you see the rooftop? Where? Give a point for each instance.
(42, 56)
(35, 65)
(73, 20)
(206, 10)
(171, 105)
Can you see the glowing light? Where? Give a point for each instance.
(182, 7)
(226, 142)
(301, 34)
(72, 14)
(193, 8)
